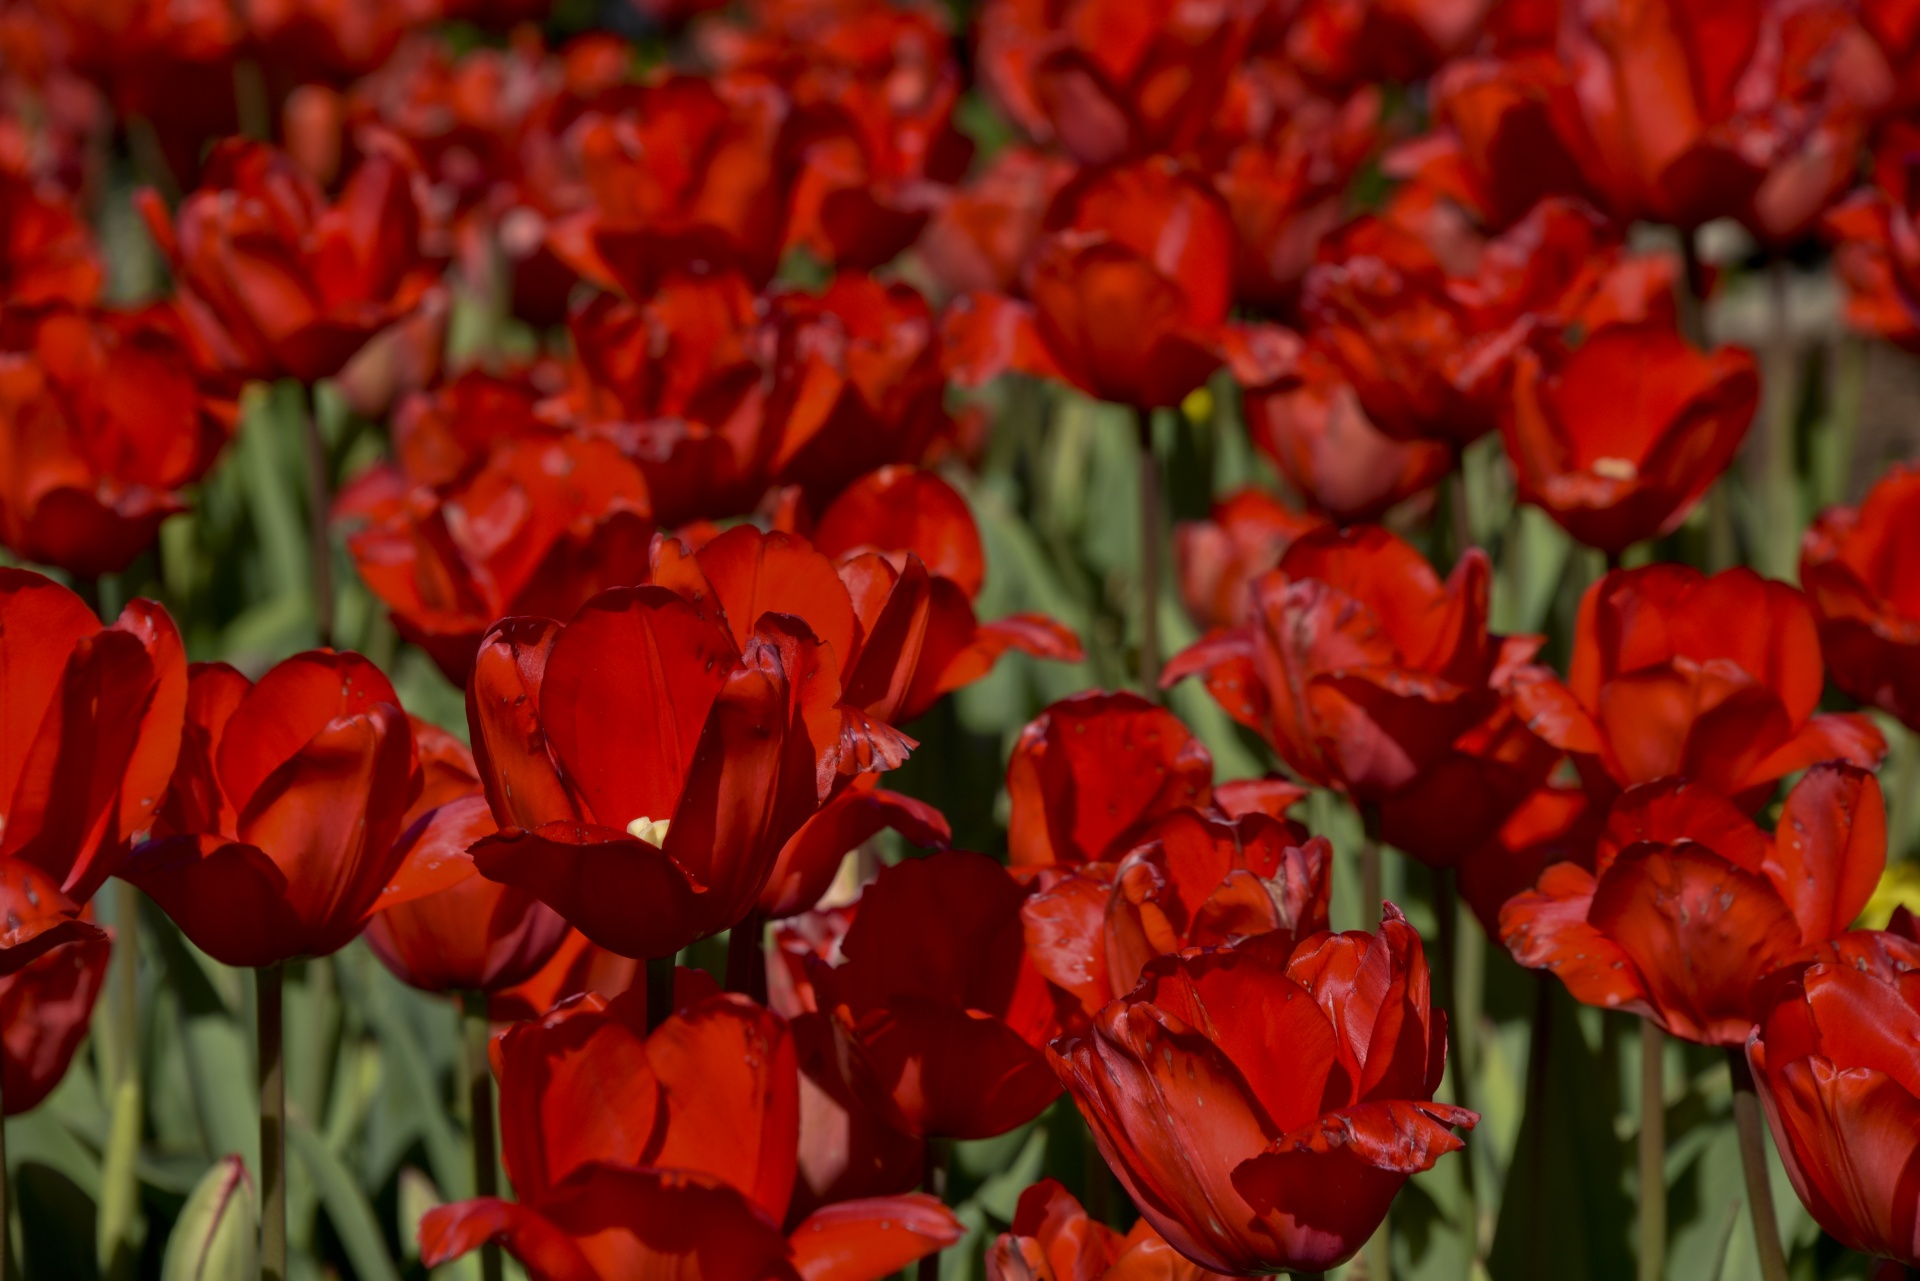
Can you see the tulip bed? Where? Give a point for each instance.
(989, 640)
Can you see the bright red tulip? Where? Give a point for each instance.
(1053, 1239)
(648, 802)
(1358, 664)
(1678, 675)
(1244, 537)
(90, 723)
(1860, 572)
(1193, 880)
(45, 1011)
(279, 836)
(276, 281)
(464, 933)
(1833, 1057)
(1092, 772)
(670, 1153)
(937, 991)
(1276, 1142)
(46, 253)
(1130, 289)
(1876, 239)
(1689, 905)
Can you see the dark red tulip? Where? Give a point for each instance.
(1558, 823)
(1858, 567)
(1678, 675)
(1053, 1239)
(276, 281)
(1110, 80)
(1344, 42)
(1833, 1057)
(104, 420)
(981, 238)
(670, 1153)
(336, 40)
(1876, 237)
(1130, 289)
(576, 968)
(937, 991)
(1271, 1144)
(90, 723)
(45, 1010)
(1092, 772)
(1429, 348)
(46, 253)
(465, 933)
(1689, 905)
(1193, 880)
(1315, 431)
(1358, 664)
(1244, 537)
(278, 837)
(647, 803)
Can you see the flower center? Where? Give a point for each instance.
(1616, 468)
(651, 830)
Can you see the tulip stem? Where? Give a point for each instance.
(1372, 893)
(1653, 1151)
(6, 1200)
(319, 505)
(1539, 1054)
(1693, 292)
(1149, 556)
(746, 957)
(486, 1182)
(659, 990)
(273, 1124)
(1753, 1163)
(933, 1181)
(1459, 514)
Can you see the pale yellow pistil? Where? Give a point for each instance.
(1616, 468)
(651, 830)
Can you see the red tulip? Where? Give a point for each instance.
(1244, 537)
(333, 39)
(1689, 905)
(1833, 1057)
(1276, 1143)
(1876, 235)
(576, 968)
(1053, 1239)
(667, 1154)
(90, 722)
(1358, 665)
(1130, 290)
(1341, 42)
(937, 991)
(647, 803)
(46, 253)
(1321, 440)
(981, 238)
(277, 282)
(103, 422)
(1193, 880)
(1714, 680)
(278, 837)
(464, 933)
(1858, 568)
(1557, 824)
(1092, 772)
(45, 1010)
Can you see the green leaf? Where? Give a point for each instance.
(346, 1205)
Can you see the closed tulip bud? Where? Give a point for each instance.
(216, 1238)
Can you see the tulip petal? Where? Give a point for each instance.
(873, 1238)
(622, 893)
(1547, 928)
(289, 706)
(546, 1251)
(40, 622)
(1847, 1137)
(1831, 845)
(510, 749)
(753, 573)
(229, 898)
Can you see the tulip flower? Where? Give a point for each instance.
(1558, 823)
(276, 281)
(104, 420)
(1053, 1239)
(1689, 905)
(1093, 771)
(465, 934)
(937, 991)
(318, 40)
(1876, 253)
(46, 252)
(1260, 1145)
(1243, 538)
(981, 237)
(647, 803)
(278, 838)
(46, 1008)
(1193, 880)
(1832, 1054)
(1318, 435)
(1342, 43)
(671, 1152)
(1714, 680)
(1358, 665)
(1854, 567)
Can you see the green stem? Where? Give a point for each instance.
(1772, 458)
(6, 1201)
(1149, 556)
(933, 1181)
(746, 957)
(659, 991)
(1539, 1054)
(319, 507)
(1653, 1152)
(1753, 1164)
(475, 1030)
(273, 1124)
